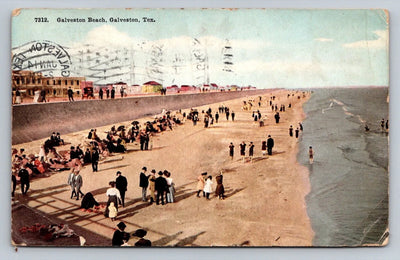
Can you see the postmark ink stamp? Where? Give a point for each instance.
(49, 58)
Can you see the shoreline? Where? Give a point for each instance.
(266, 206)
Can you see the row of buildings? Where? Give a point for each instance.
(27, 82)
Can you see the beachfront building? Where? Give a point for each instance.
(214, 86)
(28, 82)
(151, 87)
(187, 88)
(234, 88)
(173, 89)
(134, 89)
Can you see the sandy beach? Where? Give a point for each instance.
(265, 204)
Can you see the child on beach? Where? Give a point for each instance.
(311, 155)
(208, 187)
(264, 148)
(112, 211)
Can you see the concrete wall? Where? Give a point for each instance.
(35, 121)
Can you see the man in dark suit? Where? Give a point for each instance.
(121, 184)
(95, 160)
(144, 183)
(160, 186)
(270, 144)
(24, 178)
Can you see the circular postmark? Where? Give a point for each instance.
(47, 57)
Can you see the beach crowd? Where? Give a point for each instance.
(157, 186)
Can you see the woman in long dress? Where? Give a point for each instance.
(171, 189)
(219, 191)
(152, 186)
(113, 196)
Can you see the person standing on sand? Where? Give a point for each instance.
(231, 150)
(71, 183)
(208, 187)
(171, 187)
(152, 186)
(233, 116)
(95, 160)
(297, 132)
(113, 195)
(270, 144)
(206, 121)
(264, 148)
(23, 174)
(112, 211)
(227, 113)
(161, 188)
(291, 131)
(200, 184)
(144, 183)
(301, 126)
(78, 182)
(108, 93)
(243, 150)
(311, 155)
(216, 117)
(121, 184)
(251, 151)
(220, 190)
(277, 117)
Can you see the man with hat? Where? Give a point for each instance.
(270, 144)
(120, 236)
(121, 184)
(95, 159)
(144, 183)
(152, 185)
(23, 174)
(78, 182)
(70, 94)
(161, 187)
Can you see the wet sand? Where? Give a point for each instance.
(265, 204)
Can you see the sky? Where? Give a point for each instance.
(267, 48)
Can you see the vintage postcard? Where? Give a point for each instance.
(200, 127)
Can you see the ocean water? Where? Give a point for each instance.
(348, 201)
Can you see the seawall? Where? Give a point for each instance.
(35, 121)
